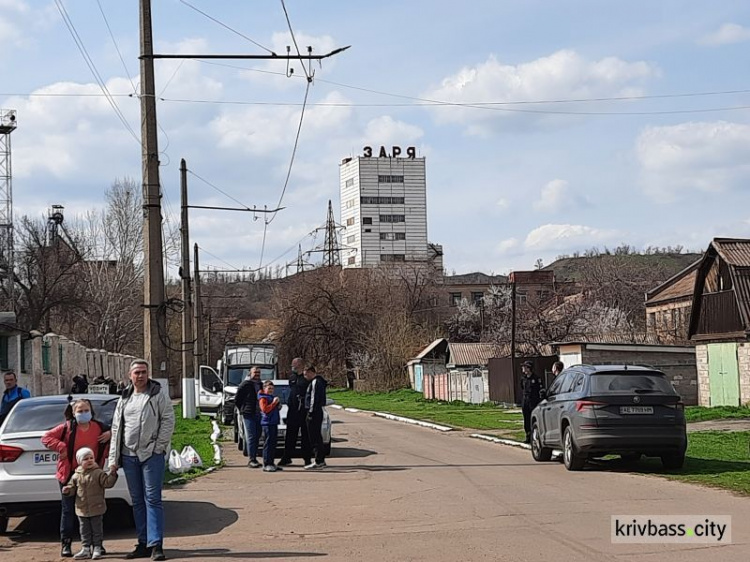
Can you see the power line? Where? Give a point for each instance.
(117, 48)
(225, 26)
(202, 249)
(208, 183)
(294, 40)
(92, 67)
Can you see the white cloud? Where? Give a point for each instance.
(562, 75)
(553, 196)
(386, 131)
(502, 204)
(727, 34)
(507, 246)
(559, 237)
(703, 156)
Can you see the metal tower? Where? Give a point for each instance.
(331, 251)
(7, 126)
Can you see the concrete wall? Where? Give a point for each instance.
(679, 366)
(743, 357)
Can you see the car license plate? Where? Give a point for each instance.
(636, 409)
(45, 458)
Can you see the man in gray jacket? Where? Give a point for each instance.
(142, 429)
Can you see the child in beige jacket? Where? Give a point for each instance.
(88, 484)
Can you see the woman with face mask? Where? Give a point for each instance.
(79, 430)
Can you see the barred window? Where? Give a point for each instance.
(350, 182)
(350, 221)
(393, 235)
(392, 218)
(382, 200)
(391, 179)
(392, 257)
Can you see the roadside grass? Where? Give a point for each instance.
(194, 432)
(702, 413)
(412, 404)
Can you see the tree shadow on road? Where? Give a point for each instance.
(351, 452)
(693, 466)
(181, 519)
(224, 553)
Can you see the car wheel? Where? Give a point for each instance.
(3, 524)
(631, 457)
(538, 452)
(673, 461)
(572, 459)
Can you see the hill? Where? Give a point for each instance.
(572, 268)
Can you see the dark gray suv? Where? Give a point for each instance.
(595, 410)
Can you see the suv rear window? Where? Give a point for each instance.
(32, 416)
(630, 383)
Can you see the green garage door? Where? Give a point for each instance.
(723, 374)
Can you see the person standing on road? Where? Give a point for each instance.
(87, 487)
(315, 400)
(141, 432)
(296, 415)
(246, 401)
(80, 430)
(531, 387)
(13, 394)
(269, 406)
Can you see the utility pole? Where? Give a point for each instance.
(513, 329)
(155, 314)
(198, 310)
(188, 337)
(331, 254)
(208, 337)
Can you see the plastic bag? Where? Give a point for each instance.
(191, 458)
(177, 464)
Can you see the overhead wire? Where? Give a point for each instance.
(208, 183)
(202, 249)
(117, 47)
(294, 40)
(227, 27)
(92, 67)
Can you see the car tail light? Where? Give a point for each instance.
(680, 406)
(587, 405)
(9, 454)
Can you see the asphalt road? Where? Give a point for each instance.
(398, 492)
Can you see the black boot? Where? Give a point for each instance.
(140, 551)
(66, 551)
(157, 553)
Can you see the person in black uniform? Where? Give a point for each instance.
(296, 415)
(246, 400)
(531, 388)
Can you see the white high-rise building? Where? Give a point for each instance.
(384, 210)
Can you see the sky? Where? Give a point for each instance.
(528, 155)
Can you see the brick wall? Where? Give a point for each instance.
(680, 368)
(743, 357)
(704, 388)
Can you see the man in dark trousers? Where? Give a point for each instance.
(247, 402)
(13, 393)
(296, 414)
(315, 400)
(531, 387)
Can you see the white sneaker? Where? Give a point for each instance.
(311, 466)
(98, 553)
(83, 554)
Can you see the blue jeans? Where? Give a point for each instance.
(145, 483)
(68, 518)
(270, 436)
(252, 435)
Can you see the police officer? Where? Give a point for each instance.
(13, 394)
(531, 387)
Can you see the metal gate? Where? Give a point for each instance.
(723, 374)
(418, 378)
(476, 387)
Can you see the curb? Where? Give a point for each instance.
(336, 406)
(510, 442)
(217, 449)
(412, 421)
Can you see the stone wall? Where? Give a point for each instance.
(704, 387)
(680, 367)
(743, 358)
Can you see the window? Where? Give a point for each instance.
(559, 383)
(455, 299)
(521, 297)
(570, 382)
(392, 218)
(351, 261)
(350, 221)
(391, 179)
(350, 182)
(476, 297)
(393, 235)
(351, 239)
(392, 257)
(382, 200)
(368, 229)
(350, 203)
(386, 236)
(400, 235)
(366, 220)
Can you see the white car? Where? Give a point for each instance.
(280, 389)
(27, 469)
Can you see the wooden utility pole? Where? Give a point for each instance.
(513, 330)
(188, 337)
(198, 311)
(155, 314)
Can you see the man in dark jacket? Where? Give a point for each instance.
(296, 414)
(13, 393)
(315, 400)
(531, 387)
(246, 401)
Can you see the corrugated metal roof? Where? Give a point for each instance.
(679, 286)
(429, 348)
(734, 251)
(467, 354)
(615, 339)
